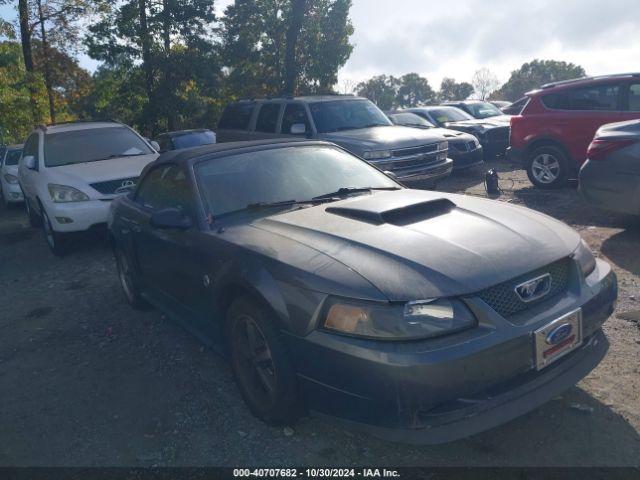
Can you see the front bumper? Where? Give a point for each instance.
(432, 174)
(12, 192)
(83, 215)
(438, 390)
(463, 160)
(610, 185)
(514, 155)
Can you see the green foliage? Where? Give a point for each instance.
(388, 91)
(451, 90)
(414, 90)
(15, 108)
(535, 74)
(253, 45)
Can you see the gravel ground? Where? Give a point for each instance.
(86, 381)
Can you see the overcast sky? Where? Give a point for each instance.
(454, 38)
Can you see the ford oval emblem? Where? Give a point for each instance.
(559, 334)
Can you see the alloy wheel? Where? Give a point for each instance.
(48, 230)
(545, 168)
(254, 360)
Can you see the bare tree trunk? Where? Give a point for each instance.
(25, 39)
(47, 67)
(166, 36)
(146, 62)
(290, 67)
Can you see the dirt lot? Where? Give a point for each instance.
(85, 380)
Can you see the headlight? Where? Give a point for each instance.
(12, 179)
(443, 145)
(585, 258)
(413, 320)
(63, 193)
(376, 155)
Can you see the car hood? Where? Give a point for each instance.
(382, 138)
(104, 170)
(413, 244)
(11, 169)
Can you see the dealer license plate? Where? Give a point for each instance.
(558, 338)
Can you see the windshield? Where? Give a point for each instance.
(194, 139)
(449, 114)
(92, 144)
(484, 110)
(340, 115)
(13, 157)
(292, 173)
(410, 119)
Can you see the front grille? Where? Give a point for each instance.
(463, 146)
(504, 300)
(406, 152)
(499, 134)
(110, 187)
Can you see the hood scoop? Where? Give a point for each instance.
(400, 216)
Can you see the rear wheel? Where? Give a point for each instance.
(548, 167)
(128, 282)
(263, 371)
(57, 242)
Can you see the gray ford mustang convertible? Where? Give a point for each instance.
(421, 315)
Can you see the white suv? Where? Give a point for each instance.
(69, 174)
(11, 192)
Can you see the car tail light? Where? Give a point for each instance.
(600, 147)
(512, 124)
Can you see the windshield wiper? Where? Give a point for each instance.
(344, 191)
(117, 155)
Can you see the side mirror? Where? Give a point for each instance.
(155, 145)
(170, 218)
(391, 174)
(29, 162)
(298, 129)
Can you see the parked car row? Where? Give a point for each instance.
(295, 247)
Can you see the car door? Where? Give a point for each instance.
(27, 176)
(589, 108)
(267, 121)
(631, 101)
(234, 123)
(167, 258)
(295, 113)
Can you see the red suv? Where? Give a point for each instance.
(551, 135)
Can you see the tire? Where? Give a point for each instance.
(128, 281)
(57, 242)
(548, 167)
(260, 362)
(34, 219)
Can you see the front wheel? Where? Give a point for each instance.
(34, 219)
(548, 167)
(127, 278)
(57, 242)
(263, 371)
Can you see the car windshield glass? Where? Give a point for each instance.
(337, 115)
(484, 110)
(92, 144)
(286, 174)
(194, 139)
(410, 119)
(13, 157)
(444, 115)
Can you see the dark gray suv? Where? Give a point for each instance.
(354, 123)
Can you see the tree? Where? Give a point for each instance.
(451, 90)
(381, 90)
(18, 95)
(414, 90)
(171, 42)
(298, 8)
(535, 74)
(254, 39)
(484, 82)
